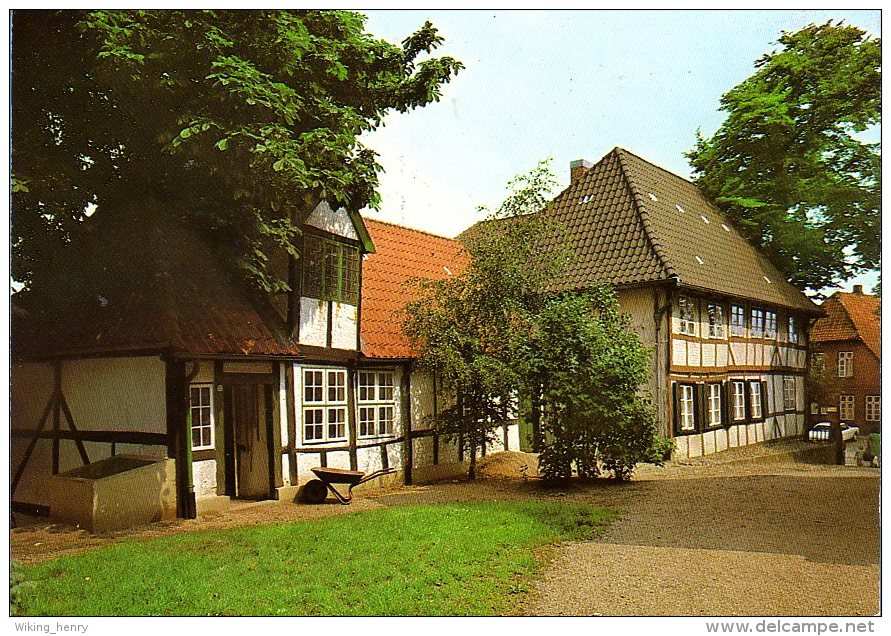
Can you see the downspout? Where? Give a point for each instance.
(658, 314)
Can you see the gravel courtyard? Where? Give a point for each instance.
(720, 538)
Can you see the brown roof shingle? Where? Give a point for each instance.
(628, 222)
(850, 317)
(402, 254)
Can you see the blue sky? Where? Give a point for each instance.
(566, 85)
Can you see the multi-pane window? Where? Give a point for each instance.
(714, 404)
(377, 406)
(793, 329)
(873, 408)
(738, 400)
(201, 412)
(686, 414)
(755, 409)
(737, 321)
(846, 407)
(330, 270)
(789, 398)
(324, 405)
(757, 323)
(715, 320)
(845, 364)
(770, 324)
(686, 315)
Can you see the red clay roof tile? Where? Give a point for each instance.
(402, 254)
(850, 317)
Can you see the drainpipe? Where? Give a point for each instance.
(659, 313)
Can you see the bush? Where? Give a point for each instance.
(661, 450)
(589, 367)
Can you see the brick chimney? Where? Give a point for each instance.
(577, 169)
(858, 289)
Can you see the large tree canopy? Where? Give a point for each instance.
(241, 118)
(787, 164)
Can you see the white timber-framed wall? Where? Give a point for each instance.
(744, 364)
(117, 404)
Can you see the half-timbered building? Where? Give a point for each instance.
(727, 330)
(146, 343)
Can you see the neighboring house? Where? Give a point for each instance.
(145, 343)
(729, 333)
(849, 340)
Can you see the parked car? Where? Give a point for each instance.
(823, 431)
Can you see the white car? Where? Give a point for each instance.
(823, 431)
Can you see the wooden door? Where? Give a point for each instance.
(251, 452)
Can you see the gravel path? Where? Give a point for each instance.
(783, 540)
(727, 535)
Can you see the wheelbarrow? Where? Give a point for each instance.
(316, 490)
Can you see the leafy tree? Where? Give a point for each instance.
(787, 164)
(591, 366)
(244, 119)
(497, 332)
(466, 325)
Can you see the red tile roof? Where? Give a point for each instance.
(156, 290)
(850, 317)
(402, 254)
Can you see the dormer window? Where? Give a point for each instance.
(330, 270)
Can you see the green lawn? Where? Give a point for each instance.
(444, 559)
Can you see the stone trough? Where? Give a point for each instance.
(116, 493)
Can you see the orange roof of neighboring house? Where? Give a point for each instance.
(402, 254)
(850, 317)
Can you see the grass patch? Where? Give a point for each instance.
(443, 559)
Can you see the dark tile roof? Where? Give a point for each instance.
(402, 254)
(850, 317)
(629, 222)
(158, 289)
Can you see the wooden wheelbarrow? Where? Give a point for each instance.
(316, 491)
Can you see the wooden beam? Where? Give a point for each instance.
(274, 431)
(405, 413)
(28, 451)
(77, 441)
(179, 442)
(57, 394)
(292, 423)
(351, 415)
(109, 437)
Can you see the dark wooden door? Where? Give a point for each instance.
(251, 441)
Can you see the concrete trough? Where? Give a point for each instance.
(116, 493)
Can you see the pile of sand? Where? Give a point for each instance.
(508, 465)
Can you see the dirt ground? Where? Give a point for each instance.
(736, 534)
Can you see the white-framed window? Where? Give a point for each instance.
(845, 364)
(770, 324)
(873, 408)
(686, 315)
(756, 410)
(846, 407)
(714, 404)
(757, 323)
(789, 397)
(686, 412)
(324, 405)
(793, 330)
(715, 320)
(201, 414)
(738, 400)
(376, 403)
(737, 320)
